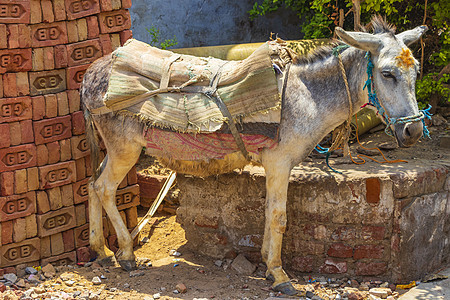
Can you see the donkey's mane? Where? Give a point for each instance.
(377, 25)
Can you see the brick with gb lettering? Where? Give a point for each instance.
(79, 146)
(15, 109)
(75, 76)
(114, 21)
(15, 11)
(49, 130)
(56, 221)
(18, 157)
(17, 253)
(84, 52)
(48, 34)
(80, 191)
(57, 174)
(127, 197)
(69, 258)
(82, 236)
(17, 206)
(15, 60)
(46, 82)
(80, 8)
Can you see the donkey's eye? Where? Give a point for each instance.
(387, 74)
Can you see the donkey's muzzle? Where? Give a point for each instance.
(408, 134)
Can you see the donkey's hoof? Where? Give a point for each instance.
(109, 261)
(128, 265)
(270, 277)
(286, 288)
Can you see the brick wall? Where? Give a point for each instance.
(45, 48)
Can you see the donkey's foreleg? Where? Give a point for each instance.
(277, 180)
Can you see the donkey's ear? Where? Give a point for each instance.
(410, 36)
(360, 40)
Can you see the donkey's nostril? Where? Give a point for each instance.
(407, 132)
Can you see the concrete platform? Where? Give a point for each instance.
(389, 222)
(436, 290)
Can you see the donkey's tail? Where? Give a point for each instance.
(93, 142)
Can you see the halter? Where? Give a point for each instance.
(374, 101)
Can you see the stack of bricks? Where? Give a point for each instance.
(45, 48)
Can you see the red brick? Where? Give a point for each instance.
(15, 60)
(82, 236)
(24, 36)
(13, 36)
(47, 82)
(49, 34)
(77, 9)
(26, 130)
(51, 106)
(303, 264)
(36, 12)
(42, 203)
(112, 243)
(80, 191)
(78, 123)
(127, 197)
(125, 36)
(23, 88)
(38, 59)
(116, 4)
(15, 109)
(72, 31)
(123, 183)
(5, 136)
(57, 174)
(88, 165)
(33, 178)
(67, 195)
(105, 41)
(92, 26)
(331, 266)
(66, 149)
(64, 259)
(344, 233)
(53, 152)
(61, 59)
(83, 254)
(340, 250)
(7, 232)
(56, 221)
(368, 251)
(38, 107)
(20, 181)
(373, 233)
(1, 86)
(57, 244)
(42, 155)
(115, 40)
(80, 214)
(106, 5)
(28, 249)
(49, 58)
(6, 183)
(371, 269)
(15, 134)
(150, 185)
(82, 29)
(373, 190)
(132, 176)
(15, 11)
(84, 52)
(132, 217)
(59, 10)
(31, 226)
(114, 21)
(19, 157)
(19, 230)
(81, 168)
(54, 198)
(50, 130)
(46, 247)
(79, 146)
(47, 11)
(3, 36)
(126, 3)
(74, 100)
(10, 85)
(63, 104)
(75, 76)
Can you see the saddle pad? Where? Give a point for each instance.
(248, 87)
(200, 146)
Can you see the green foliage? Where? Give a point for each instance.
(155, 37)
(318, 19)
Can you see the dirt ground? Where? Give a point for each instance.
(201, 276)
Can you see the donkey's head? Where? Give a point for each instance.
(394, 74)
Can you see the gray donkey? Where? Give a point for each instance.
(314, 103)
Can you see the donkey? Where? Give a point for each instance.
(314, 103)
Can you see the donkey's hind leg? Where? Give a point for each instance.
(120, 161)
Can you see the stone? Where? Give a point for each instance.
(364, 287)
(309, 294)
(21, 283)
(33, 278)
(31, 270)
(241, 265)
(380, 292)
(69, 282)
(181, 287)
(11, 277)
(48, 270)
(2, 287)
(136, 273)
(174, 252)
(96, 280)
(218, 263)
